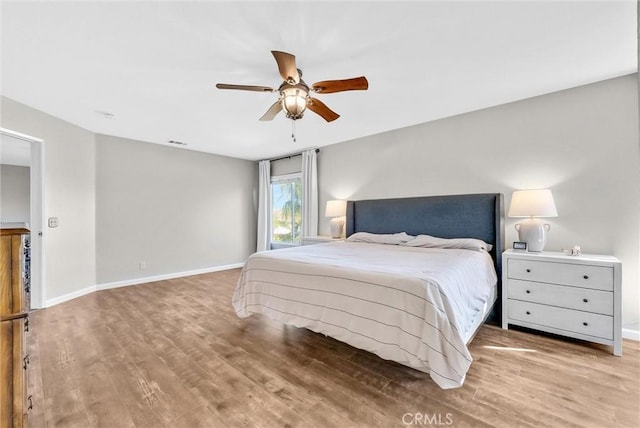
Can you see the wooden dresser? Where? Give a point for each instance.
(14, 323)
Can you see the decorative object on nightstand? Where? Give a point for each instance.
(337, 210)
(532, 204)
(520, 246)
(574, 296)
(574, 251)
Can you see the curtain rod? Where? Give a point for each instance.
(290, 156)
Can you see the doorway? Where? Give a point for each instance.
(22, 148)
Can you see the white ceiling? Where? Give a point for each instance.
(154, 65)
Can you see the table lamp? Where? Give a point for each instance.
(337, 211)
(533, 203)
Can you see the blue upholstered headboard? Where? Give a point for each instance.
(479, 216)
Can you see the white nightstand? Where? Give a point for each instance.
(311, 240)
(575, 296)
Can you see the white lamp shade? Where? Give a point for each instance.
(336, 209)
(532, 203)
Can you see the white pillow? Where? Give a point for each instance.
(381, 238)
(427, 241)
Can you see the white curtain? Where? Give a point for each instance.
(309, 193)
(264, 205)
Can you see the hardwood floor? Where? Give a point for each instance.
(174, 354)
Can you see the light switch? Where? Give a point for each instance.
(53, 221)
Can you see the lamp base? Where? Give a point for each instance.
(534, 233)
(337, 225)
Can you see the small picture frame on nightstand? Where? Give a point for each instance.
(519, 246)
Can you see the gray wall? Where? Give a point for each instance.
(69, 177)
(14, 193)
(582, 143)
(177, 210)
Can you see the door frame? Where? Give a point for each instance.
(37, 215)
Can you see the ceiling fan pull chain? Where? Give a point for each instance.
(293, 130)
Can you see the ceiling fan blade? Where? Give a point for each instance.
(287, 66)
(245, 87)
(317, 106)
(329, 86)
(272, 112)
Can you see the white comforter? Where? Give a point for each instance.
(416, 306)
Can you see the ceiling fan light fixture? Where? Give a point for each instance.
(294, 101)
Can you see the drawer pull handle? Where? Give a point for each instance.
(585, 300)
(528, 313)
(528, 270)
(528, 291)
(586, 276)
(585, 324)
(25, 360)
(30, 402)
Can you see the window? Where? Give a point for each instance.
(286, 209)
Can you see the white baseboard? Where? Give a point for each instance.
(69, 296)
(136, 281)
(627, 333)
(125, 283)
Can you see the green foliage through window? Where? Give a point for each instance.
(286, 209)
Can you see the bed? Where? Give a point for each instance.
(397, 299)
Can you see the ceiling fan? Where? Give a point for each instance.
(294, 92)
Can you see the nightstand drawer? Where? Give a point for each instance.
(582, 299)
(562, 319)
(577, 275)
